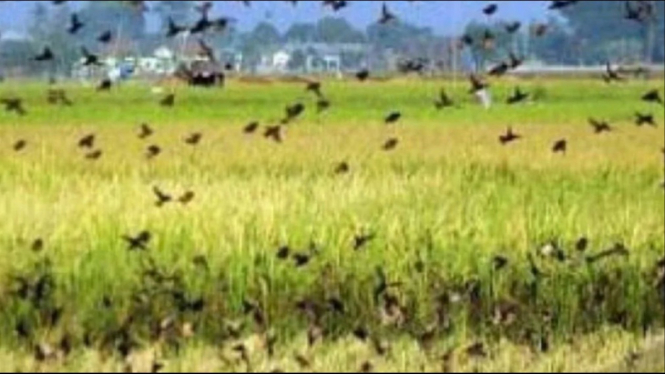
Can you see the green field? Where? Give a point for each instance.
(442, 206)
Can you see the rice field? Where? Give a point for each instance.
(451, 252)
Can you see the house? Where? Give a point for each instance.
(312, 58)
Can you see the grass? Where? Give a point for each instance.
(442, 205)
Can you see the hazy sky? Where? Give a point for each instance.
(443, 16)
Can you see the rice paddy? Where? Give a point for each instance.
(475, 255)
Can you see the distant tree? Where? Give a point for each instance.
(301, 33)
(264, 37)
(337, 30)
(601, 22)
(182, 12)
(298, 60)
(123, 20)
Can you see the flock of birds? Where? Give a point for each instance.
(38, 288)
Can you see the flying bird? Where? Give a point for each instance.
(513, 27)
(560, 146)
(153, 151)
(390, 144)
(652, 97)
(87, 141)
(138, 242)
(557, 5)
(194, 139)
(19, 145)
(274, 133)
(392, 117)
(293, 112)
(168, 101)
(105, 85)
(644, 119)
(174, 29)
(386, 15)
(444, 101)
(517, 97)
(162, 197)
(89, 58)
(75, 24)
(94, 155)
(46, 55)
(13, 104)
(611, 75)
(105, 37)
(499, 69)
(362, 75)
(251, 127)
(509, 137)
(145, 131)
(599, 127)
(490, 9)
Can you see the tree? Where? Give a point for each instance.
(298, 60)
(601, 22)
(337, 30)
(182, 12)
(301, 33)
(263, 38)
(123, 20)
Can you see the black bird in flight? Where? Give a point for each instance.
(105, 37)
(314, 87)
(392, 117)
(145, 131)
(207, 51)
(293, 112)
(561, 4)
(513, 27)
(611, 75)
(13, 104)
(283, 252)
(75, 24)
(444, 101)
(517, 97)
(336, 5)
(94, 155)
(153, 151)
(509, 137)
(499, 69)
(582, 244)
(139, 242)
(168, 101)
(386, 15)
(644, 119)
(599, 127)
(162, 197)
(89, 58)
(490, 9)
(477, 84)
(174, 29)
(274, 133)
(19, 145)
(87, 141)
(560, 146)
(359, 241)
(46, 55)
(390, 144)
(362, 75)
(652, 96)
(194, 139)
(105, 85)
(514, 61)
(322, 105)
(186, 198)
(251, 127)
(634, 13)
(342, 168)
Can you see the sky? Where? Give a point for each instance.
(444, 17)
